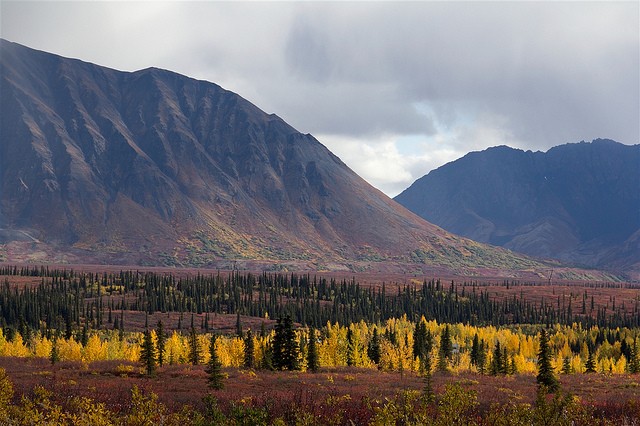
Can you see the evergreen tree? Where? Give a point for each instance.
(497, 362)
(482, 357)
(591, 362)
(420, 340)
(249, 349)
(267, 357)
(350, 348)
(373, 349)
(566, 365)
(162, 339)
(425, 362)
(148, 353)
(195, 352)
(545, 375)
(634, 358)
(239, 325)
(285, 347)
(214, 367)
(313, 362)
(54, 356)
(475, 350)
(446, 349)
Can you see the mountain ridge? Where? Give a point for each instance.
(575, 202)
(154, 168)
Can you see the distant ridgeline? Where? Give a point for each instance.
(69, 300)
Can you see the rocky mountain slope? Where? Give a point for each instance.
(152, 167)
(576, 202)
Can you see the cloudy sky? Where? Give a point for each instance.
(394, 89)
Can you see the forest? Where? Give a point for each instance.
(439, 336)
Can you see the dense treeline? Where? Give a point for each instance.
(68, 301)
(395, 345)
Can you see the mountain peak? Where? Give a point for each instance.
(576, 202)
(106, 166)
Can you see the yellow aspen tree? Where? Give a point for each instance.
(620, 366)
(95, 350)
(577, 365)
(176, 349)
(69, 349)
(41, 347)
(388, 359)
(332, 350)
(16, 347)
(524, 365)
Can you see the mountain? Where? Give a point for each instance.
(154, 168)
(579, 203)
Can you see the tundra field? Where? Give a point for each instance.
(79, 334)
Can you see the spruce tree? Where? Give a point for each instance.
(350, 348)
(545, 375)
(148, 353)
(239, 325)
(475, 350)
(566, 365)
(285, 347)
(214, 367)
(497, 363)
(313, 362)
(634, 358)
(373, 350)
(429, 394)
(419, 340)
(54, 356)
(446, 349)
(249, 347)
(162, 339)
(195, 352)
(591, 362)
(267, 357)
(482, 357)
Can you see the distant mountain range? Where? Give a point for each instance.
(155, 168)
(579, 203)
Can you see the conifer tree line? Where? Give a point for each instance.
(69, 302)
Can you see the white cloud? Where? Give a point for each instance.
(395, 89)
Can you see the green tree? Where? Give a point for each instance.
(373, 349)
(313, 362)
(249, 350)
(446, 349)
(195, 352)
(54, 356)
(239, 325)
(566, 365)
(162, 339)
(214, 367)
(420, 340)
(285, 347)
(267, 357)
(545, 376)
(475, 350)
(425, 363)
(148, 353)
(634, 358)
(497, 362)
(350, 348)
(591, 362)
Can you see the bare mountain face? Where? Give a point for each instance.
(579, 203)
(155, 168)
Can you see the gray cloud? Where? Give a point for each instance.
(367, 77)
